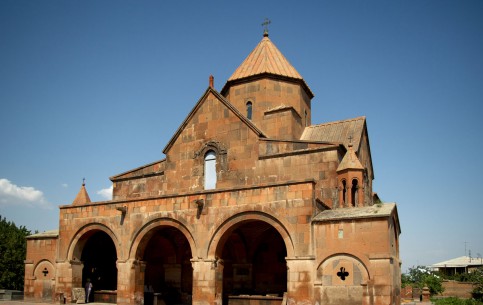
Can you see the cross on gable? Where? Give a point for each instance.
(342, 273)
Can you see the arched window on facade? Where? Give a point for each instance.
(306, 118)
(249, 110)
(210, 170)
(344, 189)
(354, 192)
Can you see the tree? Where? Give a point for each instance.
(12, 254)
(477, 279)
(421, 276)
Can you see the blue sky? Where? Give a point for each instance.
(94, 88)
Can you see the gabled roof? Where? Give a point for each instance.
(225, 102)
(82, 197)
(266, 59)
(337, 132)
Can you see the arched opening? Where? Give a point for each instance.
(253, 256)
(210, 170)
(99, 258)
(354, 193)
(249, 110)
(168, 273)
(344, 190)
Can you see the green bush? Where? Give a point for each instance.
(456, 301)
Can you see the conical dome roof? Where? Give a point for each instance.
(350, 161)
(82, 197)
(265, 58)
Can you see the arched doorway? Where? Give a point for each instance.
(99, 258)
(168, 273)
(253, 254)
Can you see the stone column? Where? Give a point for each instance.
(130, 279)
(207, 281)
(299, 280)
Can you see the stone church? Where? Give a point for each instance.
(252, 204)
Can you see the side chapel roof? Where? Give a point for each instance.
(337, 132)
(265, 59)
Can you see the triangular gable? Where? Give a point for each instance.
(225, 102)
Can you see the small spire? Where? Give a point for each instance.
(212, 81)
(265, 27)
(82, 197)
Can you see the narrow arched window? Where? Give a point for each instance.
(306, 118)
(210, 170)
(354, 192)
(344, 189)
(249, 110)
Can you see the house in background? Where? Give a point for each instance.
(459, 265)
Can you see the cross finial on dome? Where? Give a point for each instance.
(265, 26)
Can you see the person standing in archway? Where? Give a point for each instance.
(88, 289)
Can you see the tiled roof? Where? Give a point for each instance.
(337, 132)
(265, 58)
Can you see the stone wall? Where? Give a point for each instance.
(457, 289)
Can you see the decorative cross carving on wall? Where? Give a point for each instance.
(342, 273)
(45, 272)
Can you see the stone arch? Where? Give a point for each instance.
(77, 243)
(139, 236)
(329, 272)
(41, 267)
(221, 230)
(248, 252)
(93, 254)
(44, 283)
(162, 251)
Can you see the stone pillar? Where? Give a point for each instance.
(28, 290)
(207, 281)
(426, 294)
(299, 280)
(130, 280)
(367, 293)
